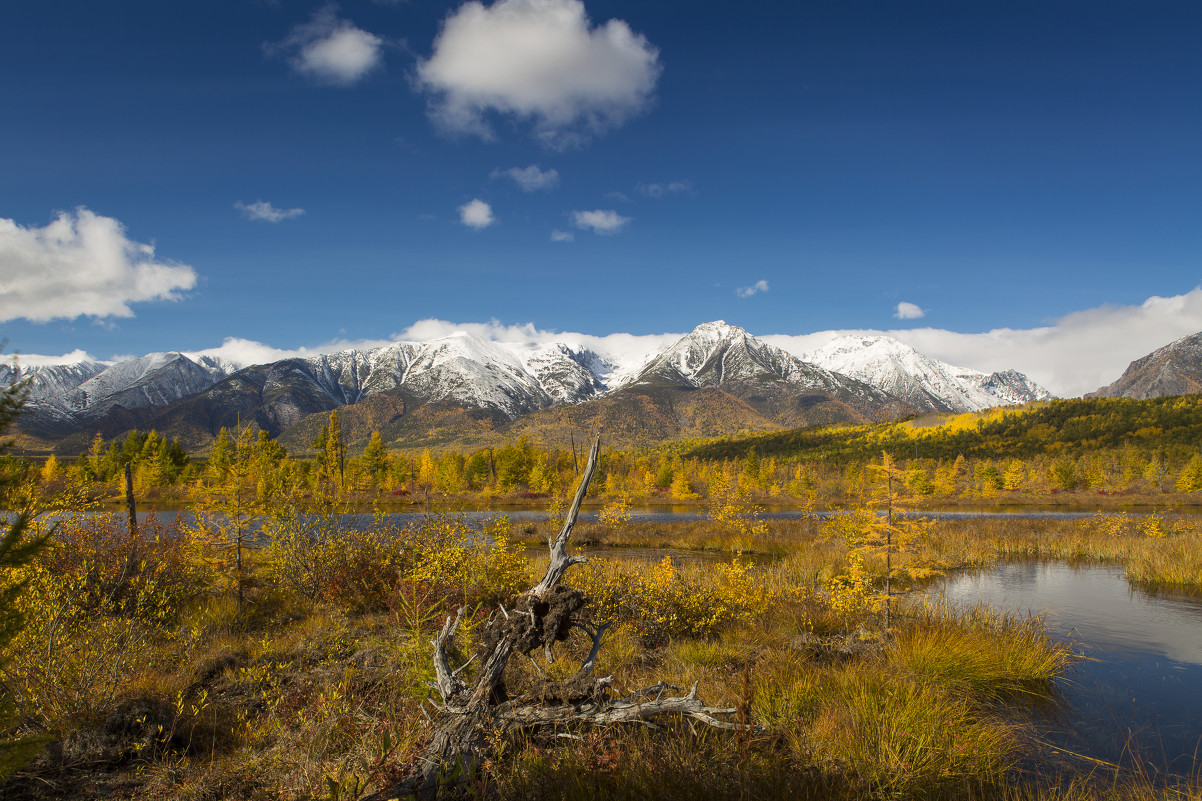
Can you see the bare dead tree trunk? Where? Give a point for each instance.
(130, 505)
(473, 716)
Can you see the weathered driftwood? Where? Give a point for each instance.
(471, 716)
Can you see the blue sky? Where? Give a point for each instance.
(312, 174)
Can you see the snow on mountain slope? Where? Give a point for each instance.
(567, 373)
(716, 353)
(869, 374)
(921, 381)
(474, 371)
(48, 385)
(156, 379)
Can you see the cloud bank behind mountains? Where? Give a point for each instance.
(1071, 356)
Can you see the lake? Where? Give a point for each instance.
(1139, 689)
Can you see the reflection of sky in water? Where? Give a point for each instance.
(1144, 673)
(1091, 604)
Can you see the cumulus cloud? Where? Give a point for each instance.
(1073, 355)
(476, 214)
(909, 311)
(538, 60)
(262, 210)
(659, 190)
(330, 50)
(530, 179)
(562, 236)
(81, 264)
(754, 289)
(601, 221)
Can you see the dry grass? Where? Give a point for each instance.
(292, 699)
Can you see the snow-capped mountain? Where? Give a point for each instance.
(47, 385)
(921, 381)
(460, 368)
(716, 353)
(852, 379)
(157, 379)
(73, 394)
(567, 373)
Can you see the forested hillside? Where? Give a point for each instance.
(1075, 426)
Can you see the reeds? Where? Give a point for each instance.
(277, 700)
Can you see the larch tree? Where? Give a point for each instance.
(17, 550)
(375, 459)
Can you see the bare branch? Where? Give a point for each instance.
(602, 713)
(534, 662)
(449, 684)
(587, 667)
(560, 561)
(460, 669)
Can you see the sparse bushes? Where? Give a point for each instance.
(664, 601)
(98, 601)
(313, 687)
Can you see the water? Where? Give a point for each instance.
(1139, 690)
(680, 513)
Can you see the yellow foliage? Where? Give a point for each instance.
(615, 513)
(662, 601)
(730, 509)
(1153, 526)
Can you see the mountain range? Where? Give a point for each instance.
(924, 383)
(463, 389)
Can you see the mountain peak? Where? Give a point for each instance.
(921, 381)
(1175, 369)
(719, 329)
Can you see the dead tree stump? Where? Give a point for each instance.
(472, 716)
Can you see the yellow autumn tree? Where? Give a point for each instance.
(879, 530)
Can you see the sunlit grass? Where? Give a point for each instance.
(991, 655)
(276, 698)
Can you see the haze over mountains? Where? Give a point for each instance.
(718, 379)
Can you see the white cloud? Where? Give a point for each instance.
(36, 360)
(530, 179)
(262, 210)
(626, 352)
(659, 190)
(748, 291)
(909, 311)
(476, 214)
(1076, 354)
(562, 236)
(245, 352)
(600, 221)
(540, 60)
(330, 50)
(81, 264)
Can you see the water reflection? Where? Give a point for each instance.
(1141, 684)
